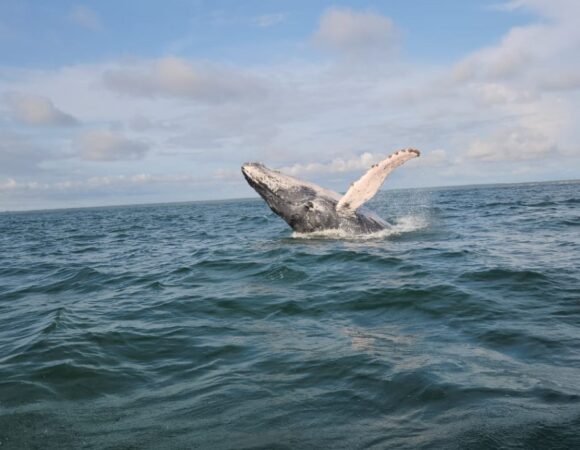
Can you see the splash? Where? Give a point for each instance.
(405, 224)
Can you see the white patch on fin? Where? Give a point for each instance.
(369, 184)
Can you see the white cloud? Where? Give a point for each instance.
(514, 145)
(105, 145)
(22, 155)
(431, 158)
(362, 162)
(269, 20)
(529, 81)
(85, 17)
(36, 110)
(510, 58)
(177, 77)
(113, 181)
(502, 93)
(563, 79)
(356, 34)
(337, 165)
(560, 10)
(536, 55)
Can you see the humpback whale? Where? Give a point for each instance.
(307, 207)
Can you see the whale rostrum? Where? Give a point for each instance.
(307, 207)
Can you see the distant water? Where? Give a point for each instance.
(209, 325)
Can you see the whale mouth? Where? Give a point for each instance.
(262, 180)
(245, 172)
(246, 167)
(251, 172)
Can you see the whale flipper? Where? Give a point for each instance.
(369, 184)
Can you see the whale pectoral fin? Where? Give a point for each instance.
(369, 184)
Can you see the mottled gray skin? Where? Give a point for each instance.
(305, 206)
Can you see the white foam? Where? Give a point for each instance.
(405, 224)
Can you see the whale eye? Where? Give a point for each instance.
(309, 205)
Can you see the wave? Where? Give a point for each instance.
(405, 224)
(205, 324)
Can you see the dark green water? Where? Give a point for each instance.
(209, 325)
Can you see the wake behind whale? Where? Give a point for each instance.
(309, 208)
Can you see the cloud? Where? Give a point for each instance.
(176, 77)
(17, 154)
(431, 158)
(85, 17)
(114, 182)
(560, 10)
(501, 93)
(522, 80)
(36, 110)
(105, 145)
(119, 181)
(269, 20)
(516, 101)
(362, 162)
(534, 55)
(337, 165)
(515, 144)
(356, 34)
(510, 58)
(22, 155)
(561, 80)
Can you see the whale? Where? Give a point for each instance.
(310, 208)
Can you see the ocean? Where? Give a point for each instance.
(210, 325)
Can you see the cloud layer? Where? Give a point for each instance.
(85, 17)
(31, 109)
(105, 145)
(503, 112)
(356, 34)
(179, 78)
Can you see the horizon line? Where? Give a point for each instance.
(121, 205)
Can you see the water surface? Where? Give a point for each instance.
(209, 325)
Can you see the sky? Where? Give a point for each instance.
(108, 102)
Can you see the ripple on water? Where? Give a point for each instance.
(205, 324)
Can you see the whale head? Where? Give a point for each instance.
(304, 206)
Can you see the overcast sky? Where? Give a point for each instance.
(115, 102)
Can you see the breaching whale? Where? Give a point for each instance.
(307, 207)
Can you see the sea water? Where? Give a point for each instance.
(211, 325)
